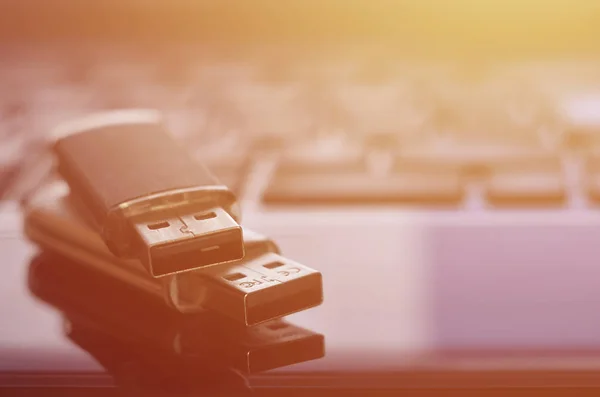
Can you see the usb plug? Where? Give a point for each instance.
(251, 291)
(178, 243)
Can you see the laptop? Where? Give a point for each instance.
(441, 175)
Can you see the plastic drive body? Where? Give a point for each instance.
(145, 194)
(261, 287)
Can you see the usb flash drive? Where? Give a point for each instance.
(148, 197)
(262, 286)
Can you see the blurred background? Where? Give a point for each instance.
(370, 86)
(333, 119)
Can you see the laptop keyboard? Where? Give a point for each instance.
(337, 129)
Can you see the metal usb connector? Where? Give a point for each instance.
(252, 291)
(202, 239)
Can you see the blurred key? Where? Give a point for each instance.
(531, 182)
(274, 111)
(299, 177)
(356, 183)
(332, 152)
(342, 188)
(429, 182)
(592, 177)
(230, 165)
(525, 107)
(487, 123)
(446, 116)
(470, 157)
(232, 173)
(581, 118)
(381, 112)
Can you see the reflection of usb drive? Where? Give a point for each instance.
(152, 331)
(275, 344)
(147, 196)
(262, 286)
(139, 368)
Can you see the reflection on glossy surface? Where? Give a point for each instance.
(515, 297)
(103, 312)
(134, 368)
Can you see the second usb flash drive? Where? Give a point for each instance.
(148, 197)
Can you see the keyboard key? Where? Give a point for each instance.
(592, 177)
(367, 109)
(468, 157)
(408, 185)
(275, 111)
(491, 127)
(230, 168)
(332, 153)
(581, 118)
(232, 174)
(532, 182)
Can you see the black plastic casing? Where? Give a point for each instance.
(123, 173)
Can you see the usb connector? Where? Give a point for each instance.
(146, 195)
(289, 288)
(204, 238)
(276, 286)
(254, 290)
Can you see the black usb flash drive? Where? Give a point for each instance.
(148, 197)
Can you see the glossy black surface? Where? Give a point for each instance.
(507, 311)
